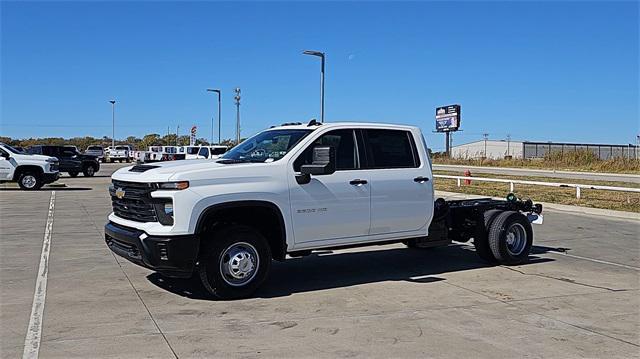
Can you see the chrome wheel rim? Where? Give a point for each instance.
(516, 239)
(239, 264)
(29, 181)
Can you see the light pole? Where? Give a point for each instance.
(237, 98)
(177, 130)
(321, 56)
(113, 123)
(219, 106)
(486, 136)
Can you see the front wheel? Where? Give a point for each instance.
(510, 238)
(73, 173)
(234, 262)
(89, 171)
(30, 181)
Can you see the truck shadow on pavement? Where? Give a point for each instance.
(328, 270)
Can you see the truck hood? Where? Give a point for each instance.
(180, 170)
(28, 156)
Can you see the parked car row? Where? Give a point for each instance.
(172, 153)
(35, 166)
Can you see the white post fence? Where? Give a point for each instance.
(513, 182)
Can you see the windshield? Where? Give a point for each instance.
(267, 146)
(121, 148)
(94, 148)
(11, 149)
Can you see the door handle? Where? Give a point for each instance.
(421, 179)
(358, 182)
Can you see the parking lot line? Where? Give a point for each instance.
(34, 330)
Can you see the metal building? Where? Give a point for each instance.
(493, 149)
(517, 149)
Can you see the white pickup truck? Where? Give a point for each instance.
(30, 171)
(118, 153)
(293, 189)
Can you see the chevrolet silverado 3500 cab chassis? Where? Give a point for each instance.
(293, 189)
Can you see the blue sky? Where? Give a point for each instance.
(547, 71)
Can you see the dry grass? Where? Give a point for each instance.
(581, 160)
(620, 201)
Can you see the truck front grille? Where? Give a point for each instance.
(132, 201)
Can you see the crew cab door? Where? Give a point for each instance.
(401, 182)
(332, 208)
(69, 160)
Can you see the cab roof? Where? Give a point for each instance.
(301, 126)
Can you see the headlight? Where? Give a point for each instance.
(174, 185)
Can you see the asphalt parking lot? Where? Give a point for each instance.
(578, 297)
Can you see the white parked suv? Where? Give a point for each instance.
(293, 189)
(30, 171)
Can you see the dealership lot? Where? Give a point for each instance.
(578, 297)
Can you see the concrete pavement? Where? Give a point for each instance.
(578, 297)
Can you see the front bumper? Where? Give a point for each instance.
(173, 256)
(50, 177)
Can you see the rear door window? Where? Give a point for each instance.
(390, 149)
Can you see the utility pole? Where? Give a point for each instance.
(219, 106)
(508, 144)
(486, 136)
(113, 123)
(177, 130)
(237, 98)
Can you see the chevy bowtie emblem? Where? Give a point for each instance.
(120, 193)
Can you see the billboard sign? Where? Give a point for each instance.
(448, 118)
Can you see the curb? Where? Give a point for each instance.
(588, 211)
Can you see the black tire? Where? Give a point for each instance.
(111, 160)
(89, 171)
(30, 181)
(73, 173)
(510, 238)
(128, 160)
(238, 239)
(480, 240)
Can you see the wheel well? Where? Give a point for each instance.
(265, 217)
(26, 168)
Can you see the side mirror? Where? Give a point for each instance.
(5, 156)
(323, 163)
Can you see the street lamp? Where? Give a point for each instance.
(113, 123)
(219, 106)
(321, 55)
(237, 98)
